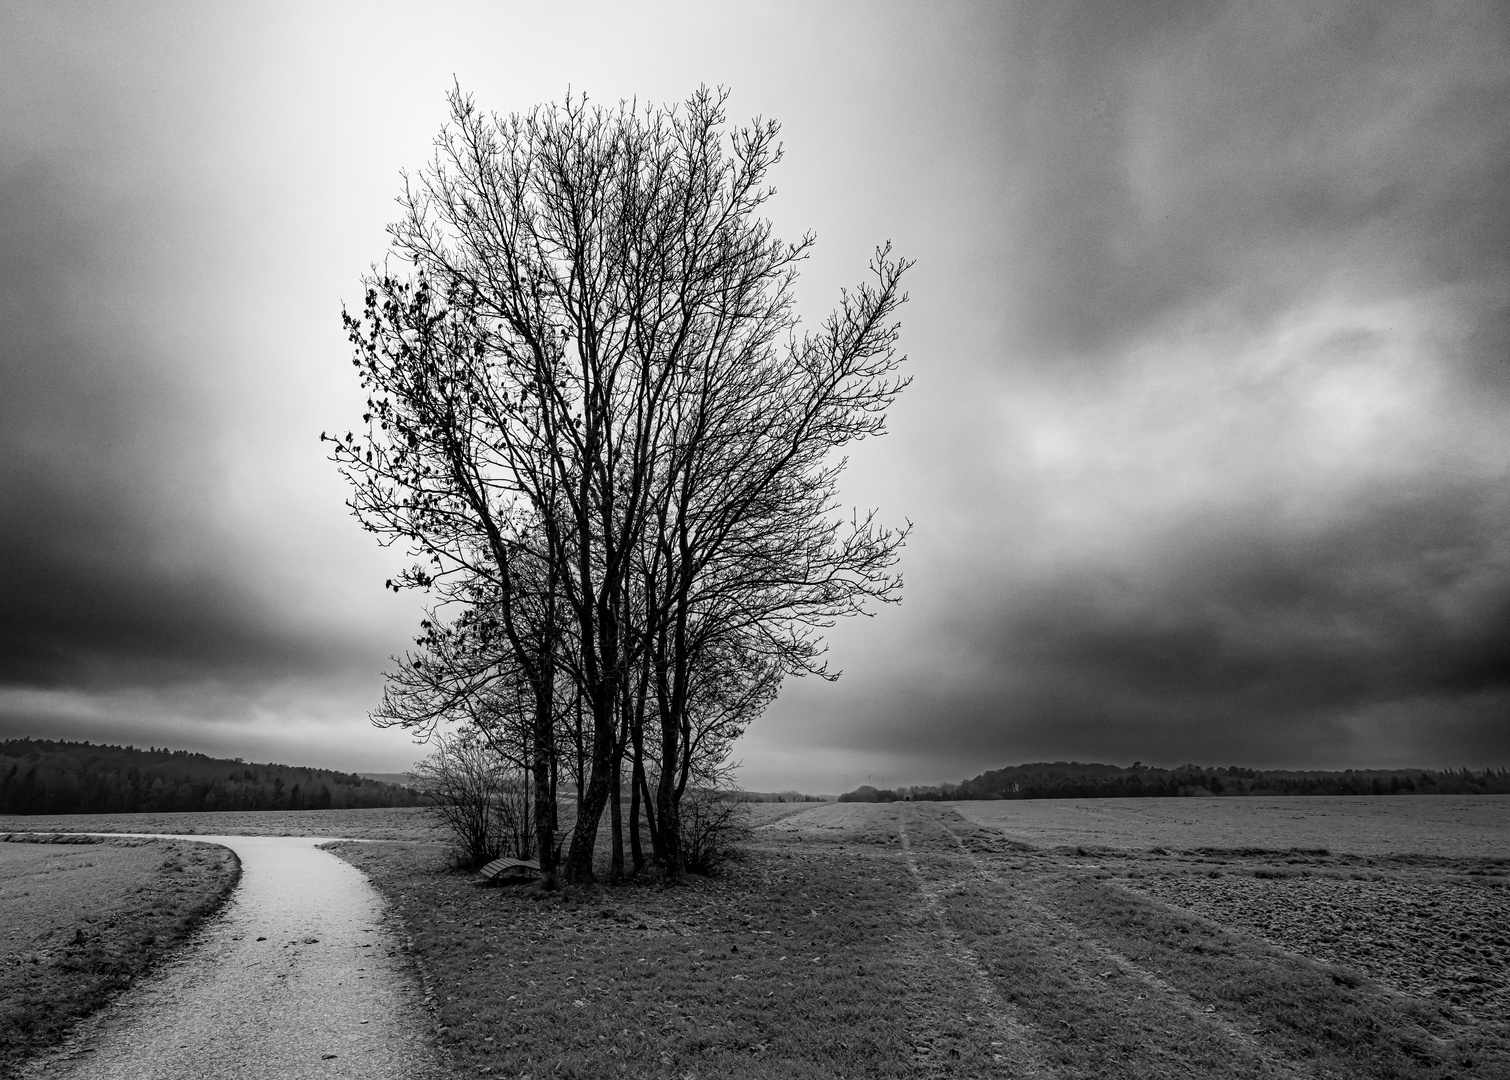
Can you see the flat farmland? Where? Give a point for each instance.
(1411, 891)
(911, 940)
(1459, 826)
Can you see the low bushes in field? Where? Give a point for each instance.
(484, 802)
(712, 828)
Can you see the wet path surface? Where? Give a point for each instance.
(299, 976)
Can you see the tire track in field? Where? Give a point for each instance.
(1177, 1000)
(1021, 1047)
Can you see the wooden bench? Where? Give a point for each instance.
(510, 868)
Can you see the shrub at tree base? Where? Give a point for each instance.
(484, 803)
(712, 828)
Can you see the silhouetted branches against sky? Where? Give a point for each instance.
(592, 415)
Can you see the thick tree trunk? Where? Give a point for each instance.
(616, 817)
(581, 755)
(667, 809)
(632, 738)
(579, 858)
(647, 802)
(545, 799)
(636, 781)
(555, 799)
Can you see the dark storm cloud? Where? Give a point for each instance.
(1242, 495)
(1382, 640)
(1408, 603)
(104, 498)
(1257, 165)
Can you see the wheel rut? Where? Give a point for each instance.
(1020, 1052)
(1272, 1062)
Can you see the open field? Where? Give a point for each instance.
(1458, 826)
(909, 940)
(79, 921)
(387, 823)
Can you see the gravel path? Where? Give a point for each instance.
(298, 977)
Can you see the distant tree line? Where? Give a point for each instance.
(1077, 780)
(42, 777)
(773, 796)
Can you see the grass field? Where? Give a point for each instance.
(1460, 826)
(910, 940)
(82, 919)
(388, 823)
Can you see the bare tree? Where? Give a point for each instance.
(591, 410)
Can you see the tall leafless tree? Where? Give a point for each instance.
(592, 412)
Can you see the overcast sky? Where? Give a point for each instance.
(1207, 446)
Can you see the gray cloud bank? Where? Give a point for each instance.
(135, 609)
(1240, 493)
(119, 572)
(150, 594)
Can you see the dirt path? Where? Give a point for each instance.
(1176, 1002)
(298, 977)
(1022, 1048)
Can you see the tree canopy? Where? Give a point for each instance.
(594, 417)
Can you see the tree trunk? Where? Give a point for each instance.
(581, 755)
(616, 816)
(636, 781)
(555, 775)
(651, 819)
(545, 786)
(578, 869)
(634, 736)
(666, 808)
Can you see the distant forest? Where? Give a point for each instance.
(42, 777)
(775, 796)
(1076, 780)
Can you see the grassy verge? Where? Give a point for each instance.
(83, 918)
